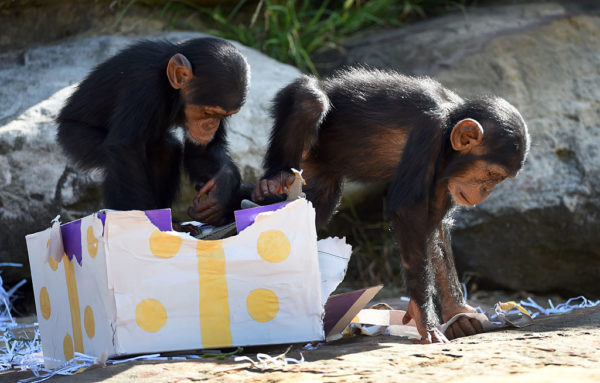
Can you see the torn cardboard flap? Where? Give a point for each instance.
(129, 285)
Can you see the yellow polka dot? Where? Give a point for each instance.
(263, 305)
(68, 347)
(164, 245)
(273, 246)
(88, 322)
(92, 242)
(53, 264)
(150, 315)
(45, 303)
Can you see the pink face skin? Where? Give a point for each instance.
(202, 122)
(476, 184)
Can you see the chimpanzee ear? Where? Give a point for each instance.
(179, 71)
(466, 134)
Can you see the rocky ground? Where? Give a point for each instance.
(557, 348)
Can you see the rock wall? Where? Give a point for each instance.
(540, 231)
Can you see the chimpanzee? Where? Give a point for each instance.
(435, 149)
(121, 116)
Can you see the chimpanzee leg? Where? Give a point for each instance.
(141, 178)
(166, 162)
(323, 189)
(82, 143)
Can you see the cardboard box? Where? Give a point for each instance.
(129, 285)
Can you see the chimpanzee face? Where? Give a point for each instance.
(202, 122)
(475, 184)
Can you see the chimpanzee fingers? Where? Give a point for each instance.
(190, 229)
(209, 216)
(264, 188)
(199, 186)
(214, 219)
(466, 327)
(458, 332)
(256, 193)
(449, 333)
(433, 336)
(406, 318)
(198, 199)
(199, 211)
(289, 181)
(211, 212)
(477, 325)
(193, 214)
(274, 187)
(208, 209)
(204, 204)
(207, 186)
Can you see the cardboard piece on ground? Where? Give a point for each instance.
(341, 309)
(129, 285)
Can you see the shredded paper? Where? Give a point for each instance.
(20, 346)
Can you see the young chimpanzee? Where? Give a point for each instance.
(121, 116)
(435, 149)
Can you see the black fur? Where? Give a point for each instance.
(121, 116)
(371, 125)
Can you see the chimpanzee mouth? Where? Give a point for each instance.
(201, 136)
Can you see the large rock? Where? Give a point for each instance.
(540, 231)
(37, 182)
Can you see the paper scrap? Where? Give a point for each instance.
(334, 255)
(295, 190)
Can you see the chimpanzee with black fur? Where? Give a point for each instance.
(121, 119)
(435, 149)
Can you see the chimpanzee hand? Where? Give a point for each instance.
(190, 229)
(463, 326)
(428, 333)
(217, 207)
(277, 184)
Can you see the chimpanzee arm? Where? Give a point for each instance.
(415, 254)
(129, 182)
(298, 110)
(449, 288)
(413, 207)
(213, 170)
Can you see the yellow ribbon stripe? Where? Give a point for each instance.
(215, 323)
(74, 304)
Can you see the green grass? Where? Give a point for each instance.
(290, 31)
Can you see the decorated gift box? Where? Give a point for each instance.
(117, 283)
